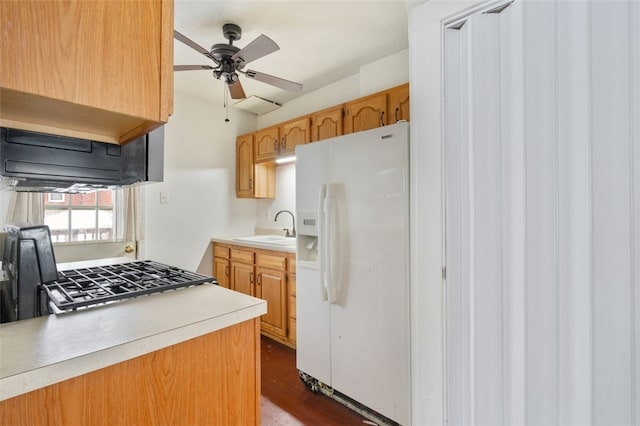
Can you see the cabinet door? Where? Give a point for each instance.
(221, 271)
(242, 278)
(90, 69)
(272, 287)
(398, 104)
(294, 133)
(366, 113)
(244, 166)
(327, 123)
(266, 144)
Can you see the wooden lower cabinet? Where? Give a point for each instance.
(210, 380)
(266, 274)
(221, 269)
(272, 287)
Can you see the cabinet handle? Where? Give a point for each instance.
(283, 143)
(260, 278)
(396, 114)
(250, 183)
(275, 145)
(382, 118)
(226, 270)
(251, 277)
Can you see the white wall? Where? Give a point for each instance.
(199, 179)
(388, 72)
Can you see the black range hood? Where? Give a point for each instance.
(39, 162)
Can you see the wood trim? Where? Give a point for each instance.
(166, 60)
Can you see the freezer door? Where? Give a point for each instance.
(313, 323)
(370, 314)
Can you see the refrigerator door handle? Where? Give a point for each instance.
(332, 246)
(322, 243)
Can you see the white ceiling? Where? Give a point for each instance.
(320, 41)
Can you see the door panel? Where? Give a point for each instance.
(70, 252)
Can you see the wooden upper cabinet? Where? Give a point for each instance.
(244, 166)
(327, 123)
(252, 180)
(398, 104)
(293, 133)
(365, 113)
(101, 70)
(267, 143)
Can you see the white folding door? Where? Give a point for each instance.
(542, 202)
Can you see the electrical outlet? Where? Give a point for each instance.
(164, 197)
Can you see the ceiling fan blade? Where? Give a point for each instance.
(236, 91)
(192, 44)
(258, 48)
(274, 81)
(192, 67)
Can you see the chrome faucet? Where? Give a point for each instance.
(293, 231)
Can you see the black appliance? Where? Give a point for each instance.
(28, 261)
(39, 162)
(34, 287)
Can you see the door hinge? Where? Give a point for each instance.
(444, 272)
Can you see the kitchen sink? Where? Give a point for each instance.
(271, 240)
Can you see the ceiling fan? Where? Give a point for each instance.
(230, 60)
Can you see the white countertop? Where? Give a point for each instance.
(273, 247)
(45, 350)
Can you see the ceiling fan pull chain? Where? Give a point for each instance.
(226, 103)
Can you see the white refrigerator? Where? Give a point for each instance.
(352, 202)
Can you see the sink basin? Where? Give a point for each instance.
(271, 240)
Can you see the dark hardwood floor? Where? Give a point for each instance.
(285, 399)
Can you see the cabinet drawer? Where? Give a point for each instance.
(244, 256)
(220, 251)
(272, 261)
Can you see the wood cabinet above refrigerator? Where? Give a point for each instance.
(94, 70)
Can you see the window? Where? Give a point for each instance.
(80, 217)
(55, 197)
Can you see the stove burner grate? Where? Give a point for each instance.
(78, 288)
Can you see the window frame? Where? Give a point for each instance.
(66, 205)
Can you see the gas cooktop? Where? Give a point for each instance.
(84, 287)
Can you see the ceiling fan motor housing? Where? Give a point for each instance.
(223, 52)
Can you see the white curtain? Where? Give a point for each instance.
(542, 166)
(25, 208)
(129, 214)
